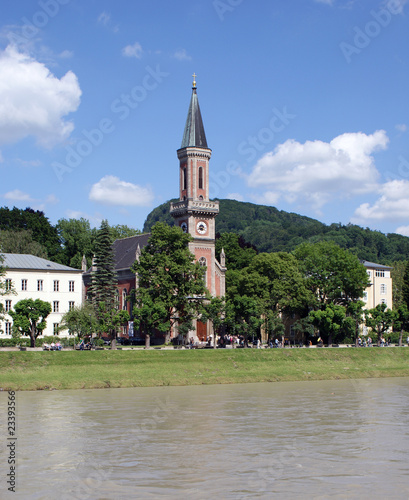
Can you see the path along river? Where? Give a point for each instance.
(310, 440)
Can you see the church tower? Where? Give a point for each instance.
(195, 213)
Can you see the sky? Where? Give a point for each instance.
(304, 103)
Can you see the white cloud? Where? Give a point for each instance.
(110, 190)
(392, 205)
(134, 50)
(104, 18)
(316, 172)
(18, 195)
(66, 54)
(401, 127)
(34, 101)
(182, 55)
(327, 2)
(235, 196)
(403, 230)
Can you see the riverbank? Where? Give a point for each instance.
(44, 370)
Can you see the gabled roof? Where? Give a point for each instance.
(194, 134)
(26, 261)
(125, 250)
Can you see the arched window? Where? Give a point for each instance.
(200, 177)
(124, 297)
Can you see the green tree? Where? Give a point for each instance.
(21, 242)
(355, 318)
(171, 286)
(80, 321)
(401, 322)
(214, 310)
(239, 253)
(332, 274)
(103, 287)
(397, 275)
(122, 231)
(77, 239)
(29, 317)
(405, 286)
(379, 320)
(329, 321)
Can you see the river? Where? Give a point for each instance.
(310, 440)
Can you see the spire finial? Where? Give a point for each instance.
(194, 80)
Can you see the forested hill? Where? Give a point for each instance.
(272, 230)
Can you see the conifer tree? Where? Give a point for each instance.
(103, 279)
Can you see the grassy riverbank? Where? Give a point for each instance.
(139, 368)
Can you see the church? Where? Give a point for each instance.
(194, 213)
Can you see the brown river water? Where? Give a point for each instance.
(303, 440)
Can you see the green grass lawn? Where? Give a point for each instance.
(140, 368)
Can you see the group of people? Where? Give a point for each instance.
(84, 345)
(52, 347)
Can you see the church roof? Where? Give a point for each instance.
(194, 134)
(125, 250)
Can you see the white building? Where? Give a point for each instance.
(36, 278)
(380, 289)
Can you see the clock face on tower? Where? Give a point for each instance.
(201, 227)
(184, 227)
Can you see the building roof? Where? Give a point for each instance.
(26, 261)
(374, 266)
(194, 134)
(125, 250)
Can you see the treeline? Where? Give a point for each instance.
(29, 231)
(272, 230)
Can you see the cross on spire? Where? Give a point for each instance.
(194, 80)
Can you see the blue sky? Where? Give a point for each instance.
(304, 103)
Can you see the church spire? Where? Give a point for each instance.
(194, 134)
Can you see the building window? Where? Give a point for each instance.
(365, 297)
(9, 285)
(184, 178)
(8, 328)
(71, 286)
(55, 328)
(117, 299)
(383, 289)
(23, 285)
(56, 306)
(383, 301)
(124, 298)
(71, 305)
(200, 177)
(8, 305)
(380, 274)
(56, 286)
(203, 263)
(40, 285)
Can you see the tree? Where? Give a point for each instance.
(329, 321)
(215, 311)
(171, 286)
(103, 287)
(355, 316)
(239, 253)
(122, 231)
(332, 274)
(77, 239)
(379, 320)
(43, 232)
(401, 320)
(21, 242)
(29, 317)
(80, 320)
(405, 286)
(397, 275)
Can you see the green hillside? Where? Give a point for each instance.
(272, 230)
